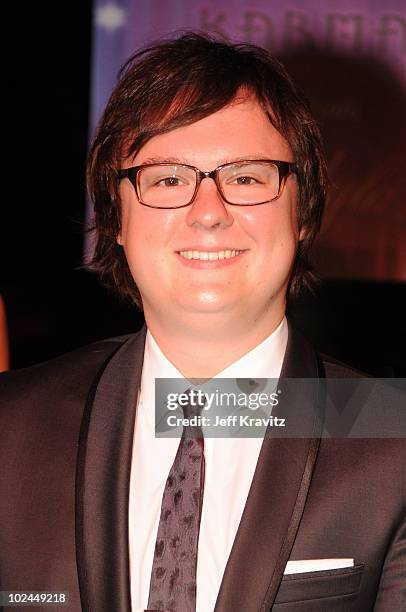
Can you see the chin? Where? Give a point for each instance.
(205, 302)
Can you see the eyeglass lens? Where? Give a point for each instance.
(241, 183)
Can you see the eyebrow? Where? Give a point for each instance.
(220, 162)
(161, 160)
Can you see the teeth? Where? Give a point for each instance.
(209, 256)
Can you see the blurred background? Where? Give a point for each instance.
(59, 65)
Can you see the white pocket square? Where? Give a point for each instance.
(316, 565)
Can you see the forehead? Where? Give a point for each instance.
(241, 130)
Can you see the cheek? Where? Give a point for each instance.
(139, 242)
(272, 229)
(143, 227)
(275, 239)
(145, 235)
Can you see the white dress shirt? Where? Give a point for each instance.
(229, 468)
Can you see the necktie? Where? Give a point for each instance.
(173, 575)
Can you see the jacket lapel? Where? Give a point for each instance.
(104, 464)
(277, 495)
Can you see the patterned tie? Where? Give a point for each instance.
(173, 577)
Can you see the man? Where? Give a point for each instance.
(208, 182)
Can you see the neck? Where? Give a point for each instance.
(208, 347)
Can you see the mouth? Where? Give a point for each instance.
(210, 255)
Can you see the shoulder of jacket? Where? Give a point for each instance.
(338, 369)
(67, 373)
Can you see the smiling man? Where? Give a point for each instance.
(219, 252)
(208, 181)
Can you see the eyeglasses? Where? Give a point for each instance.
(241, 183)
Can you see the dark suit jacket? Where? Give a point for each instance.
(66, 438)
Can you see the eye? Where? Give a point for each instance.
(244, 180)
(169, 181)
(172, 180)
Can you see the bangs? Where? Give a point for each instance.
(186, 105)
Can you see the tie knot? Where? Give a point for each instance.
(196, 403)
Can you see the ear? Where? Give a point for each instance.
(119, 239)
(302, 234)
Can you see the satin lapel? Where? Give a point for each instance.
(104, 463)
(276, 499)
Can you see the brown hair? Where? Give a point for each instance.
(175, 83)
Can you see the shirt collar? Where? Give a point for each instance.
(263, 361)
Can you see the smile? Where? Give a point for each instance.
(210, 255)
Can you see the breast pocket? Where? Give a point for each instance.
(322, 591)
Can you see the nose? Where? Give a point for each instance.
(208, 209)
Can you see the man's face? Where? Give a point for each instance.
(244, 287)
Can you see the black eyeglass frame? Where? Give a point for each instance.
(284, 169)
